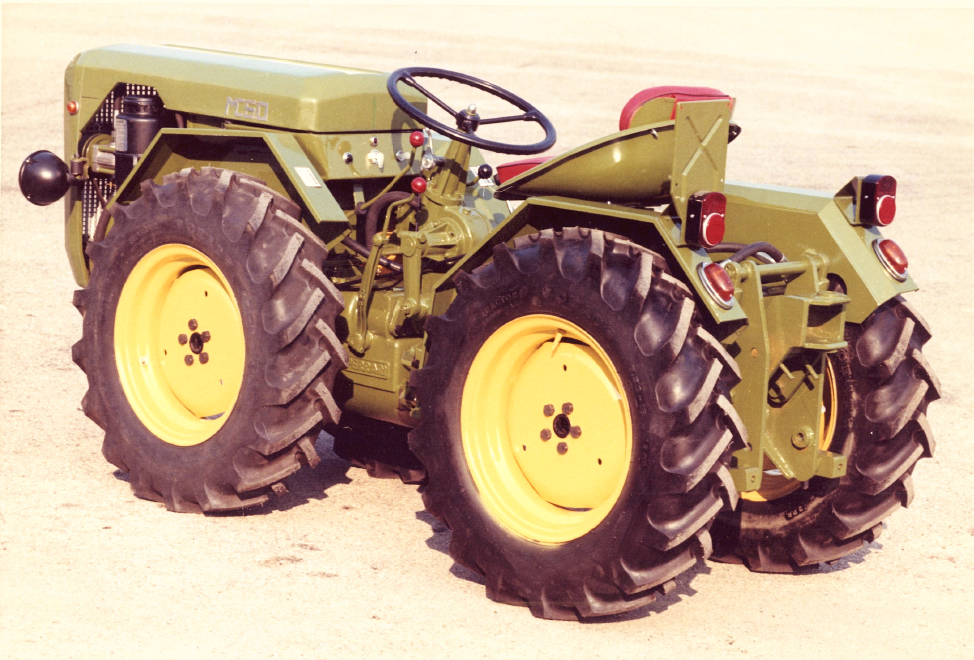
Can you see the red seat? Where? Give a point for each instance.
(676, 92)
(511, 170)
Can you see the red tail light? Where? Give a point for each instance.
(705, 219)
(892, 257)
(717, 283)
(877, 200)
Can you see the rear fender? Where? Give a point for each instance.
(798, 220)
(651, 229)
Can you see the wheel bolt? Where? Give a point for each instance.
(545, 435)
(549, 410)
(576, 431)
(567, 408)
(188, 359)
(205, 336)
(204, 358)
(183, 339)
(562, 448)
(193, 324)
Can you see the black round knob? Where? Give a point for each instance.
(485, 171)
(44, 178)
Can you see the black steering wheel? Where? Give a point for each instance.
(468, 120)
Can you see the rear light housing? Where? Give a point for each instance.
(705, 219)
(892, 257)
(717, 283)
(877, 200)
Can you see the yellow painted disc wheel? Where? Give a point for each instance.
(179, 344)
(546, 429)
(773, 484)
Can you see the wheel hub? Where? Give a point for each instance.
(179, 344)
(526, 371)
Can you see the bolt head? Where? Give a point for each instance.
(799, 440)
(546, 434)
(567, 408)
(549, 410)
(188, 360)
(576, 431)
(183, 339)
(562, 448)
(204, 358)
(193, 324)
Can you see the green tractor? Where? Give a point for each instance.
(610, 363)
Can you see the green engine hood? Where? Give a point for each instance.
(297, 96)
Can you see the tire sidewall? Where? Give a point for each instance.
(581, 303)
(127, 243)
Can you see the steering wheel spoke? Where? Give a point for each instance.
(466, 126)
(527, 116)
(409, 80)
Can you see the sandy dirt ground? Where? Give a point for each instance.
(348, 566)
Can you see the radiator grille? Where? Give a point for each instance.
(103, 121)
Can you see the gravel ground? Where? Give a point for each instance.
(348, 566)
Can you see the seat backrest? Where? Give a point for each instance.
(659, 103)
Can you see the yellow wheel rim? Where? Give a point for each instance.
(179, 344)
(774, 486)
(541, 377)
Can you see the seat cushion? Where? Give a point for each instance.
(512, 169)
(675, 92)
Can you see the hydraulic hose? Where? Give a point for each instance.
(741, 251)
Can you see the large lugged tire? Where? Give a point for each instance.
(575, 419)
(209, 341)
(882, 385)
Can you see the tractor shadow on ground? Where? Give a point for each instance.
(847, 562)
(306, 484)
(440, 541)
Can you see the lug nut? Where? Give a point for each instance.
(567, 408)
(193, 324)
(576, 430)
(188, 360)
(545, 435)
(562, 448)
(549, 410)
(205, 336)
(204, 358)
(183, 339)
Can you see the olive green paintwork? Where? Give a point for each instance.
(798, 220)
(652, 163)
(655, 229)
(308, 130)
(632, 166)
(245, 92)
(298, 96)
(793, 322)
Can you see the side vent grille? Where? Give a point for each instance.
(103, 121)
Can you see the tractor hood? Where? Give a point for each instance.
(296, 96)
